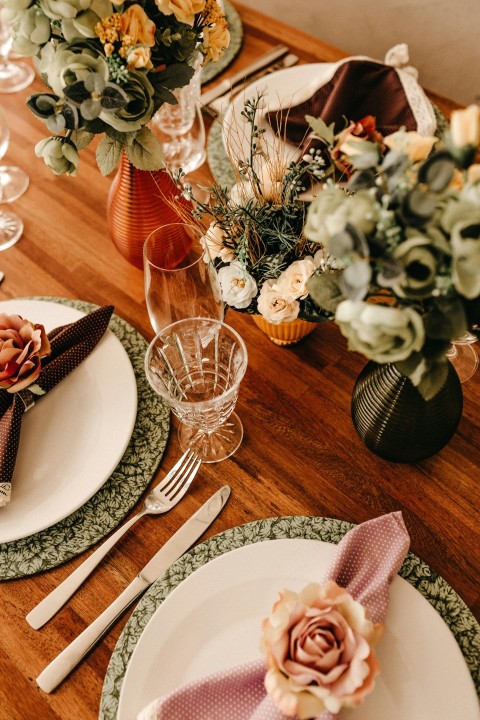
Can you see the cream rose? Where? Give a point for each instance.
(332, 210)
(465, 126)
(274, 306)
(184, 10)
(139, 57)
(383, 334)
(22, 346)
(411, 143)
(238, 286)
(465, 243)
(213, 244)
(318, 644)
(292, 282)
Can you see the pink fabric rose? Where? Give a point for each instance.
(22, 346)
(318, 644)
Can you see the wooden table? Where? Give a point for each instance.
(300, 454)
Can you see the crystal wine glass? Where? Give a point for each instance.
(180, 127)
(13, 180)
(180, 280)
(197, 365)
(463, 356)
(14, 76)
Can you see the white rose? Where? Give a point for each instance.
(292, 281)
(411, 143)
(212, 242)
(241, 193)
(238, 286)
(274, 307)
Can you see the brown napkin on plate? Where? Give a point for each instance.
(70, 344)
(357, 89)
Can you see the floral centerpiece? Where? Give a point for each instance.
(256, 238)
(405, 229)
(109, 66)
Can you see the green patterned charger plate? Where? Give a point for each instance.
(107, 508)
(439, 594)
(235, 28)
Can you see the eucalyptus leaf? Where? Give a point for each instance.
(108, 154)
(433, 380)
(437, 171)
(324, 289)
(320, 128)
(82, 138)
(145, 151)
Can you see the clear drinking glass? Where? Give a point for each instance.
(13, 183)
(180, 279)
(180, 127)
(197, 365)
(14, 76)
(464, 357)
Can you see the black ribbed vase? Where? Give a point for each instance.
(393, 419)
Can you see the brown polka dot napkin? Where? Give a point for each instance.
(70, 344)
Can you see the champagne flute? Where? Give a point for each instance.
(14, 76)
(180, 279)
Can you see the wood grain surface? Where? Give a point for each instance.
(300, 454)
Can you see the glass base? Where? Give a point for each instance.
(464, 359)
(185, 153)
(11, 229)
(215, 446)
(13, 183)
(15, 77)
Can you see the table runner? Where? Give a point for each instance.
(432, 586)
(108, 507)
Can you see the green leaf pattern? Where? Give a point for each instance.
(438, 593)
(108, 507)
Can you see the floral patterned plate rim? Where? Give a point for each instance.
(107, 508)
(235, 27)
(432, 586)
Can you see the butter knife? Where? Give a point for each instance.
(174, 548)
(228, 83)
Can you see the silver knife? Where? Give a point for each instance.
(225, 85)
(174, 548)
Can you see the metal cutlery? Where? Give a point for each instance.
(217, 107)
(227, 84)
(178, 544)
(161, 499)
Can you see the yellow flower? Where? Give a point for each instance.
(416, 146)
(135, 23)
(139, 57)
(184, 10)
(217, 40)
(465, 126)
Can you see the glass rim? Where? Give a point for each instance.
(197, 231)
(211, 321)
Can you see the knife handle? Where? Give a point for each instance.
(71, 656)
(52, 603)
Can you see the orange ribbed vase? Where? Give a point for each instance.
(286, 333)
(138, 202)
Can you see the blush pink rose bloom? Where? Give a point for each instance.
(318, 644)
(22, 345)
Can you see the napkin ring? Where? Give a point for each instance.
(27, 398)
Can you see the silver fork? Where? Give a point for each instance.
(161, 499)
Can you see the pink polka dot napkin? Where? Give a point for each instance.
(70, 344)
(365, 563)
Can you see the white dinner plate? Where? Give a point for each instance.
(74, 437)
(292, 86)
(211, 621)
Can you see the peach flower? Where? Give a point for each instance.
(318, 644)
(184, 10)
(135, 23)
(139, 57)
(276, 307)
(22, 345)
(217, 40)
(411, 143)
